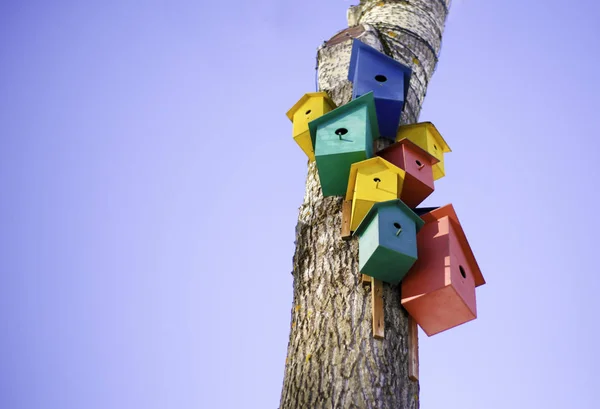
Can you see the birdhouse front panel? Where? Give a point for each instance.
(388, 241)
(427, 137)
(418, 165)
(342, 137)
(439, 290)
(311, 106)
(371, 181)
(388, 79)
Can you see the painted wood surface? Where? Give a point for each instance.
(372, 71)
(439, 291)
(418, 165)
(342, 137)
(426, 136)
(311, 106)
(371, 181)
(387, 245)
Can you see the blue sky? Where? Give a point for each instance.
(150, 187)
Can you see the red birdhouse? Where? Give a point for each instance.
(418, 164)
(439, 290)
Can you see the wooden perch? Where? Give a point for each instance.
(413, 350)
(346, 215)
(377, 307)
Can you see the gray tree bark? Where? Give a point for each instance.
(333, 361)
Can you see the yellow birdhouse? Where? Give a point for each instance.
(309, 107)
(372, 181)
(427, 137)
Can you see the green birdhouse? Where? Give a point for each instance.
(342, 137)
(387, 241)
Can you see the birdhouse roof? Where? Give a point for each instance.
(358, 47)
(373, 162)
(408, 143)
(306, 97)
(366, 100)
(430, 127)
(390, 203)
(448, 210)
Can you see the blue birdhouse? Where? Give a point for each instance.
(387, 241)
(342, 137)
(389, 80)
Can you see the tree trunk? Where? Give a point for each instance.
(333, 361)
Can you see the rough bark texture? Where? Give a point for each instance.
(333, 361)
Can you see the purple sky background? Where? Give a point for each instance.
(149, 190)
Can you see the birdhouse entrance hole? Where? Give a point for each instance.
(377, 180)
(308, 112)
(418, 162)
(380, 78)
(341, 131)
(399, 227)
(462, 272)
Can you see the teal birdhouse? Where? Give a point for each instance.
(387, 241)
(342, 137)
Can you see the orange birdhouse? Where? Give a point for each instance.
(418, 164)
(439, 290)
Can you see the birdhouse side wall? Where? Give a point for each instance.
(434, 146)
(301, 118)
(389, 112)
(305, 143)
(431, 271)
(414, 192)
(368, 241)
(461, 273)
(438, 311)
(334, 171)
(360, 208)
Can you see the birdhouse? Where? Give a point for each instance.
(439, 290)
(426, 136)
(342, 137)
(387, 78)
(418, 164)
(309, 107)
(387, 241)
(371, 181)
